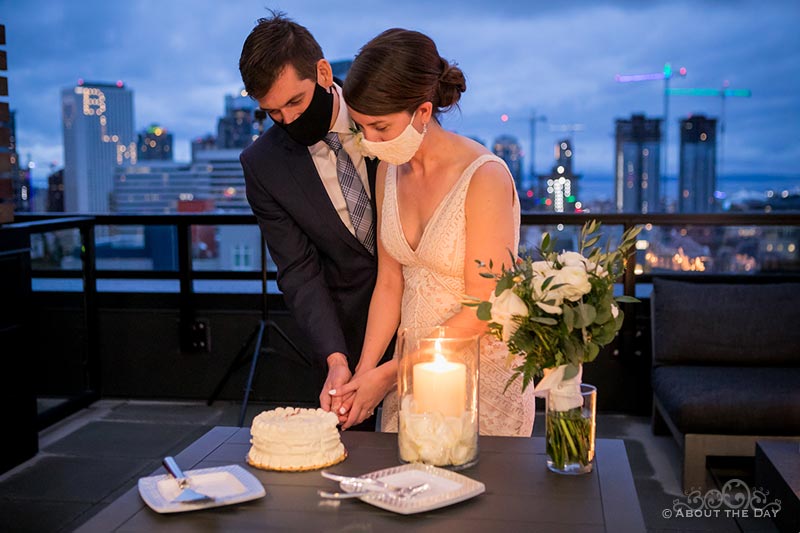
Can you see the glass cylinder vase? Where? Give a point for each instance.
(438, 392)
(570, 426)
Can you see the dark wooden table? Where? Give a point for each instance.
(521, 494)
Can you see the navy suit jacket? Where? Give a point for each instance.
(326, 275)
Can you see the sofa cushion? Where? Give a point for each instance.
(725, 324)
(730, 400)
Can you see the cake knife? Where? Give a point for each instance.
(187, 494)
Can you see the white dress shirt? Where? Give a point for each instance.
(325, 160)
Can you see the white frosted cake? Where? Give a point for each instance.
(295, 439)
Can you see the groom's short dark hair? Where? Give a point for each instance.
(275, 42)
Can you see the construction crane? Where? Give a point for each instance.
(569, 129)
(664, 75)
(723, 93)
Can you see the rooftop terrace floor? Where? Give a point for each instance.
(89, 459)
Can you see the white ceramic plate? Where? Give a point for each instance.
(226, 484)
(446, 488)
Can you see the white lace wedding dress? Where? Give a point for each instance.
(434, 290)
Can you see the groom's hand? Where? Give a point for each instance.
(338, 374)
(369, 388)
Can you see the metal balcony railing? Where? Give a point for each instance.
(87, 267)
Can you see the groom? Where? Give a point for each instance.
(311, 192)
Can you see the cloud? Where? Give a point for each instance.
(557, 58)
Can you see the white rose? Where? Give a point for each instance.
(543, 268)
(542, 295)
(504, 307)
(574, 283)
(614, 310)
(573, 259)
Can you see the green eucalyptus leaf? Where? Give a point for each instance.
(506, 282)
(485, 311)
(569, 317)
(592, 350)
(603, 314)
(591, 242)
(570, 372)
(627, 299)
(585, 315)
(571, 350)
(513, 259)
(605, 334)
(544, 320)
(620, 319)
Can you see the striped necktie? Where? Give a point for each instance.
(358, 204)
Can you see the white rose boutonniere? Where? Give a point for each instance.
(358, 137)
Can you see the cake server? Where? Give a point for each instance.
(397, 492)
(377, 484)
(187, 494)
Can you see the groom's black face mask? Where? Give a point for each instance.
(313, 124)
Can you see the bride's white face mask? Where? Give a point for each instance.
(398, 150)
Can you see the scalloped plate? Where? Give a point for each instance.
(447, 488)
(226, 484)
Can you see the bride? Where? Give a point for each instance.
(443, 201)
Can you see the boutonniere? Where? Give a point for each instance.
(358, 137)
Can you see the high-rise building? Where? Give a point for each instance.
(19, 174)
(213, 181)
(213, 178)
(558, 190)
(155, 144)
(237, 128)
(697, 181)
(507, 148)
(55, 191)
(98, 135)
(8, 156)
(638, 156)
(201, 144)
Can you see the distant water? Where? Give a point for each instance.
(598, 187)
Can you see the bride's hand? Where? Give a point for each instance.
(369, 387)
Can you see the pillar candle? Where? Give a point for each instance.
(440, 386)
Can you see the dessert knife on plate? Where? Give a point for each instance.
(187, 493)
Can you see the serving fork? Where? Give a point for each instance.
(363, 486)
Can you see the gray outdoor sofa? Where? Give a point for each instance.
(726, 367)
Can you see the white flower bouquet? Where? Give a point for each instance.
(554, 314)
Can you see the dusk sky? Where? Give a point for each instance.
(558, 59)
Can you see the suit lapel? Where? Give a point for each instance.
(305, 174)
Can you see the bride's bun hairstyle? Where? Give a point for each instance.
(399, 70)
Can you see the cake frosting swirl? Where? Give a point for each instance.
(294, 439)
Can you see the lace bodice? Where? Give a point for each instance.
(433, 274)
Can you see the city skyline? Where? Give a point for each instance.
(181, 59)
